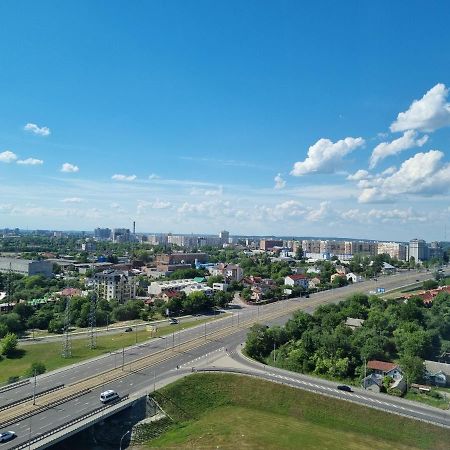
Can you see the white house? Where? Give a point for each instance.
(354, 278)
(297, 279)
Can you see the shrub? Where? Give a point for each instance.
(37, 368)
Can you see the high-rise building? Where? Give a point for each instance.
(418, 249)
(393, 249)
(224, 236)
(102, 234)
(121, 235)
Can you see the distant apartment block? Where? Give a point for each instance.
(115, 284)
(121, 235)
(418, 250)
(102, 234)
(269, 244)
(393, 249)
(26, 266)
(157, 239)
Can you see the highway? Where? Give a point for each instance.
(154, 363)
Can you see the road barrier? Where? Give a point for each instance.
(24, 399)
(68, 424)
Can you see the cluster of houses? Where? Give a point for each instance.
(427, 296)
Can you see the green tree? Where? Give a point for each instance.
(258, 343)
(9, 344)
(413, 367)
(36, 368)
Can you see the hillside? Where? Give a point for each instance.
(229, 411)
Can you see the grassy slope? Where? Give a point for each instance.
(230, 411)
(50, 353)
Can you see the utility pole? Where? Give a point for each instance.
(67, 345)
(34, 388)
(274, 351)
(92, 323)
(365, 372)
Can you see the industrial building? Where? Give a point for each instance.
(26, 266)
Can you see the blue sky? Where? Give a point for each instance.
(258, 117)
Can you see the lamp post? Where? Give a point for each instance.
(121, 439)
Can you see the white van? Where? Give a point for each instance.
(108, 396)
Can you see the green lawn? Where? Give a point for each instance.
(441, 403)
(234, 412)
(50, 352)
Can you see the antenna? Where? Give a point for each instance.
(67, 344)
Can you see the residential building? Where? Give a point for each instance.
(115, 284)
(168, 262)
(198, 287)
(102, 234)
(435, 250)
(381, 369)
(313, 283)
(157, 239)
(418, 250)
(296, 280)
(230, 272)
(354, 278)
(363, 247)
(224, 236)
(393, 249)
(269, 244)
(121, 235)
(354, 323)
(437, 373)
(26, 266)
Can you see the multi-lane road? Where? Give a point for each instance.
(155, 363)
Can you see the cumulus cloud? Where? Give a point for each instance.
(384, 215)
(30, 162)
(33, 128)
(321, 213)
(429, 113)
(72, 200)
(143, 206)
(69, 168)
(153, 176)
(279, 182)
(385, 149)
(121, 177)
(7, 157)
(423, 174)
(359, 175)
(326, 156)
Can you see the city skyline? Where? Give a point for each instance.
(279, 120)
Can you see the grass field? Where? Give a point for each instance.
(233, 412)
(50, 352)
(441, 403)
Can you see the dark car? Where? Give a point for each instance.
(7, 436)
(128, 329)
(418, 281)
(173, 321)
(344, 387)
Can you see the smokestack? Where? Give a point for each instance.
(134, 227)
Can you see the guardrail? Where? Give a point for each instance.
(29, 397)
(43, 408)
(39, 437)
(15, 385)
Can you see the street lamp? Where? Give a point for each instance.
(121, 439)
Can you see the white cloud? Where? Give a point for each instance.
(121, 177)
(324, 211)
(279, 182)
(326, 156)
(143, 206)
(423, 174)
(385, 215)
(429, 113)
(72, 200)
(359, 175)
(385, 149)
(153, 176)
(30, 162)
(69, 168)
(7, 157)
(33, 128)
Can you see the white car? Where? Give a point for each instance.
(108, 396)
(7, 436)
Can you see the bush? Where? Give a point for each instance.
(37, 368)
(13, 379)
(9, 344)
